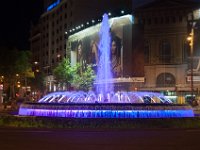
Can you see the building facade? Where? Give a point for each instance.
(167, 55)
(157, 55)
(60, 19)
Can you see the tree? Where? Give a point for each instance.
(64, 72)
(84, 80)
(74, 76)
(14, 64)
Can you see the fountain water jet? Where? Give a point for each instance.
(104, 67)
(106, 103)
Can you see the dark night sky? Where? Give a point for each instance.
(16, 17)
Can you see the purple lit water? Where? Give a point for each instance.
(104, 67)
(105, 103)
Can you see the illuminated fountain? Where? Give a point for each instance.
(105, 103)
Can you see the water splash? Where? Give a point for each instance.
(104, 68)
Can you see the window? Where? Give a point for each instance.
(147, 52)
(149, 21)
(167, 20)
(156, 20)
(186, 50)
(65, 26)
(180, 18)
(165, 52)
(161, 20)
(174, 19)
(53, 15)
(165, 80)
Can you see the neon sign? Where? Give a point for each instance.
(50, 7)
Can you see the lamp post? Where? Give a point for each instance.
(191, 41)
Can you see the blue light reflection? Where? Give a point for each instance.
(107, 113)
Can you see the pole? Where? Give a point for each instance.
(192, 49)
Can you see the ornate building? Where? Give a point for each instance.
(165, 26)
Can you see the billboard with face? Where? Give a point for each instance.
(83, 45)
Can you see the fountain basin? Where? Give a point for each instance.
(106, 110)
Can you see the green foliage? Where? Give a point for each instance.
(63, 72)
(37, 83)
(12, 62)
(84, 80)
(22, 64)
(100, 123)
(80, 80)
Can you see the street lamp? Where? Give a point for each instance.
(190, 38)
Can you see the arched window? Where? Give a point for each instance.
(165, 80)
(165, 52)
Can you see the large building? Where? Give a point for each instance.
(165, 26)
(60, 19)
(156, 55)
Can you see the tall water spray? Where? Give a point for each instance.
(104, 73)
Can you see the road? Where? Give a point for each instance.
(137, 139)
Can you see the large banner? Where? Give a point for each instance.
(83, 45)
